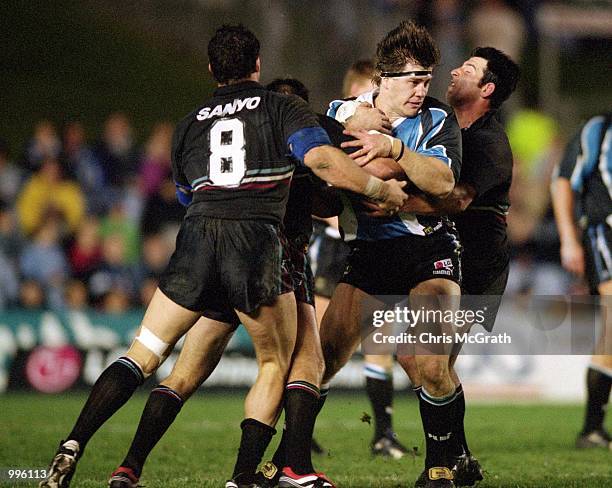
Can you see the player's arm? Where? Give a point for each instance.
(459, 199)
(572, 253)
(565, 183)
(184, 192)
(428, 173)
(311, 145)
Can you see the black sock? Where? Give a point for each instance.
(459, 442)
(280, 455)
(598, 388)
(255, 439)
(161, 409)
(113, 388)
(380, 393)
(301, 405)
(324, 391)
(417, 391)
(437, 415)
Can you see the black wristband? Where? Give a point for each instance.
(401, 152)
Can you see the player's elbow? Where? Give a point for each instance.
(317, 158)
(443, 186)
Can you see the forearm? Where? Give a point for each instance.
(334, 167)
(458, 200)
(385, 169)
(428, 173)
(563, 207)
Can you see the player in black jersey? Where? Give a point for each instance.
(230, 157)
(205, 342)
(583, 177)
(478, 205)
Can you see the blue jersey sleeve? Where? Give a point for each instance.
(303, 140)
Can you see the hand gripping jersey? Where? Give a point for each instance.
(432, 132)
(233, 153)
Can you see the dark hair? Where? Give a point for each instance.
(501, 71)
(232, 53)
(408, 42)
(289, 86)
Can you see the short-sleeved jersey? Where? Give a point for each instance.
(487, 167)
(298, 219)
(233, 152)
(432, 132)
(587, 163)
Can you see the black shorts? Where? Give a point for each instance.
(396, 266)
(301, 271)
(296, 276)
(483, 290)
(222, 263)
(598, 255)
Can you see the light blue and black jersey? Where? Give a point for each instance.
(587, 163)
(432, 132)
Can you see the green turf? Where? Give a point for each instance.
(519, 446)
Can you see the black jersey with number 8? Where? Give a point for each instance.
(233, 152)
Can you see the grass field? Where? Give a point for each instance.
(519, 445)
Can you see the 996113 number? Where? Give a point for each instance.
(17, 474)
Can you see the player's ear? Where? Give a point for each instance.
(209, 68)
(258, 65)
(487, 90)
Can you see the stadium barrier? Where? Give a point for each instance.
(53, 352)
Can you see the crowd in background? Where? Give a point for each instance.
(93, 224)
(86, 224)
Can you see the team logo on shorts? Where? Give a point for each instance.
(444, 266)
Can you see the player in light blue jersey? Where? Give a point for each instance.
(403, 254)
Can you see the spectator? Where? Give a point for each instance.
(75, 295)
(11, 177)
(86, 252)
(43, 259)
(31, 295)
(9, 283)
(11, 240)
(43, 145)
(118, 222)
(81, 163)
(114, 275)
(48, 190)
(116, 151)
(155, 161)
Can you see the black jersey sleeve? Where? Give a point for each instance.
(443, 140)
(485, 166)
(570, 157)
(177, 149)
(295, 115)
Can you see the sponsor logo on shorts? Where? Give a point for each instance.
(443, 266)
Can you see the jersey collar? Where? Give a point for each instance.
(236, 87)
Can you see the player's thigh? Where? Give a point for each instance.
(203, 347)
(340, 329)
(273, 329)
(436, 286)
(163, 324)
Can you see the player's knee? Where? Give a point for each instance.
(184, 386)
(148, 351)
(434, 373)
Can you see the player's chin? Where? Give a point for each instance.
(411, 109)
